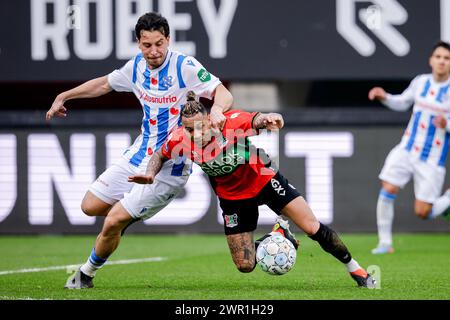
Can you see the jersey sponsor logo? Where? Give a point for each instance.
(223, 165)
(223, 143)
(431, 107)
(161, 100)
(235, 115)
(231, 220)
(277, 187)
(203, 75)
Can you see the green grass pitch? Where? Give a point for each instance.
(199, 267)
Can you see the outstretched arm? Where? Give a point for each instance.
(269, 121)
(153, 167)
(223, 101)
(396, 102)
(90, 89)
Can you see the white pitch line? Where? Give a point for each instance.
(71, 266)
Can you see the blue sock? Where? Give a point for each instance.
(92, 264)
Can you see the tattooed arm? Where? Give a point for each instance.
(153, 167)
(270, 121)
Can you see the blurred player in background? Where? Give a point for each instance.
(243, 179)
(422, 152)
(160, 79)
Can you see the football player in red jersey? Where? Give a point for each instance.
(243, 179)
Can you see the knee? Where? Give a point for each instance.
(422, 209)
(311, 227)
(112, 227)
(245, 266)
(93, 206)
(390, 188)
(88, 209)
(422, 213)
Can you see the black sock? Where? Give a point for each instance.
(331, 243)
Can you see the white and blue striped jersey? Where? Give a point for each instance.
(162, 94)
(421, 138)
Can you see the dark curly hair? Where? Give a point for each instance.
(192, 106)
(152, 21)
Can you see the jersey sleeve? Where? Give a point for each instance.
(237, 119)
(402, 102)
(172, 147)
(121, 79)
(198, 79)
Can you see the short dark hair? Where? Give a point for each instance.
(441, 44)
(192, 107)
(152, 21)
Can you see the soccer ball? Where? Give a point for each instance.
(276, 255)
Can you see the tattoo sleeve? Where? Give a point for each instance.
(155, 163)
(242, 247)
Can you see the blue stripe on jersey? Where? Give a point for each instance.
(444, 150)
(146, 83)
(163, 125)
(136, 61)
(429, 140)
(136, 159)
(412, 137)
(177, 168)
(426, 88)
(163, 84)
(181, 110)
(180, 60)
(442, 91)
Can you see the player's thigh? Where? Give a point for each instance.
(397, 169)
(428, 181)
(239, 216)
(283, 198)
(301, 214)
(117, 220)
(145, 200)
(113, 183)
(277, 193)
(242, 249)
(94, 206)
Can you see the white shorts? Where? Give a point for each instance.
(400, 166)
(142, 201)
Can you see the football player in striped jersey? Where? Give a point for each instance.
(422, 151)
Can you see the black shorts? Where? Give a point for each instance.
(242, 215)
